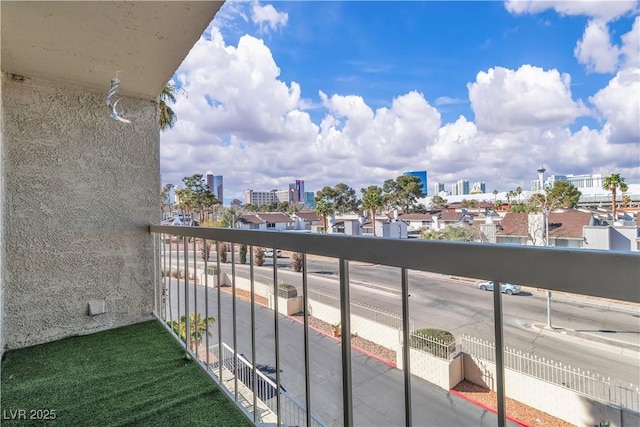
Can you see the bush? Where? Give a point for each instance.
(258, 256)
(286, 290)
(296, 262)
(223, 252)
(243, 254)
(438, 342)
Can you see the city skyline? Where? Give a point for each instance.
(550, 84)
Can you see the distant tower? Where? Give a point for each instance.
(541, 171)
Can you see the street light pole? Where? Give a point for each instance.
(546, 224)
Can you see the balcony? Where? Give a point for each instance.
(77, 258)
(291, 356)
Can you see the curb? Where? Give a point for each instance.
(488, 408)
(612, 346)
(360, 350)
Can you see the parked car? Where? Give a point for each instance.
(506, 288)
(269, 253)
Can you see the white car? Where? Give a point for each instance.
(269, 253)
(506, 288)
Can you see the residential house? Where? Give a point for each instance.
(417, 222)
(266, 221)
(565, 228)
(385, 228)
(306, 220)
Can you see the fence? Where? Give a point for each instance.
(582, 382)
(436, 347)
(376, 314)
(292, 413)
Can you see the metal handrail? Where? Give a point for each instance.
(605, 274)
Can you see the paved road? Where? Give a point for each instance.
(377, 388)
(438, 301)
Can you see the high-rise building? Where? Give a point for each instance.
(215, 185)
(259, 198)
(459, 188)
(423, 179)
(310, 199)
(439, 187)
(218, 188)
(478, 188)
(581, 181)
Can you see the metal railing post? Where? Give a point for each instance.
(345, 311)
(276, 334)
(187, 329)
(206, 295)
(307, 362)
(220, 358)
(406, 348)
(254, 374)
(235, 317)
(499, 349)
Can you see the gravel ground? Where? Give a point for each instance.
(523, 413)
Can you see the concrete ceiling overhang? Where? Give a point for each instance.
(84, 43)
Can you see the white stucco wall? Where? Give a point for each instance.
(80, 191)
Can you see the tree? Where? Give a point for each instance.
(403, 192)
(166, 116)
(164, 196)
(438, 202)
(324, 208)
(462, 233)
(612, 183)
(296, 262)
(236, 203)
(243, 253)
(195, 196)
(625, 199)
(518, 192)
(563, 194)
(372, 200)
(198, 328)
(342, 197)
(495, 195)
(258, 256)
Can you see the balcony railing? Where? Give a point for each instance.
(612, 275)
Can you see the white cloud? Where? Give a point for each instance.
(446, 100)
(631, 45)
(267, 17)
(620, 106)
(505, 100)
(606, 10)
(242, 121)
(595, 49)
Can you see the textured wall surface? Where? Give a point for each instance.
(80, 191)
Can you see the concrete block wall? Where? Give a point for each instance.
(80, 191)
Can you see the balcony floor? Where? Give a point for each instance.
(134, 376)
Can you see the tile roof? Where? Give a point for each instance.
(416, 217)
(451, 216)
(250, 219)
(275, 218)
(309, 216)
(566, 224)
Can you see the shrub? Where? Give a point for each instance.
(205, 250)
(286, 290)
(296, 262)
(258, 256)
(243, 254)
(223, 252)
(438, 342)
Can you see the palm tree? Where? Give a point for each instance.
(166, 116)
(519, 192)
(324, 208)
(372, 200)
(198, 328)
(612, 183)
(495, 195)
(625, 199)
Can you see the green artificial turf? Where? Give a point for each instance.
(131, 376)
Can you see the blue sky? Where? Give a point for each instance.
(359, 92)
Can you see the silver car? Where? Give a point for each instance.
(506, 288)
